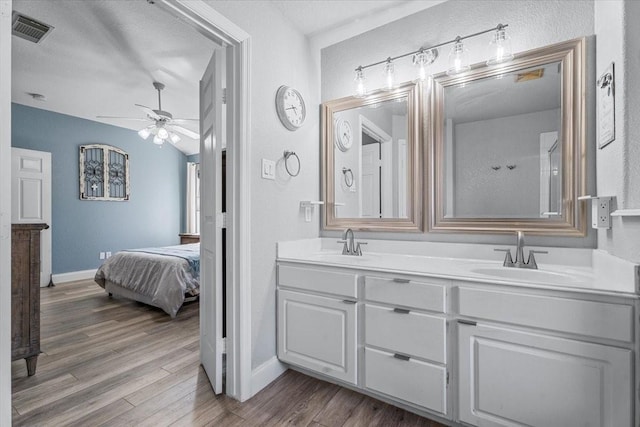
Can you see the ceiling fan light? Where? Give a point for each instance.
(163, 133)
(144, 133)
(174, 138)
(157, 140)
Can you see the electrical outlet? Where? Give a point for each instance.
(108, 254)
(268, 169)
(604, 212)
(102, 255)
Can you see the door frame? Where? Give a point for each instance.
(5, 212)
(237, 42)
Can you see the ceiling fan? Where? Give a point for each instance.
(164, 127)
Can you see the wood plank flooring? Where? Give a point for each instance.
(113, 362)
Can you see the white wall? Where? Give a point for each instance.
(279, 55)
(532, 24)
(617, 25)
(514, 140)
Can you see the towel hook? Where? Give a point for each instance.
(288, 154)
(348, 172)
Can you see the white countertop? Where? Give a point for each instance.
(561, 269)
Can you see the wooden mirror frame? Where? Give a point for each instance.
(572, 221)
(414, 221)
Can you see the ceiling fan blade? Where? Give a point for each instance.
(186, 132)
(122, 118)
(149, 112)
(184, 120)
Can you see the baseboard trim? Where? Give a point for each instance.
(73, 276)
(265, 374)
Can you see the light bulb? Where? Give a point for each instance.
(422, 60)
(157, 140)
(163, 133)
(457, 59)
(359, 82)
(144, 133)
(389, 75)
(501, 44)
(174, 138)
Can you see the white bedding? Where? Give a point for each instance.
(164, 280)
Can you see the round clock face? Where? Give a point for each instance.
(290, 107)
(344, 135)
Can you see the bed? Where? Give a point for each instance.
(163, 277)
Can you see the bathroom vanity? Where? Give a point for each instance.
(444, 330)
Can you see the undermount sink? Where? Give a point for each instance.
(527, 274)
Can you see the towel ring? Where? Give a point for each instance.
(347, 173)
(288, 154)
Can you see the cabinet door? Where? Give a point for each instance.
(318, 333)
(510, 378)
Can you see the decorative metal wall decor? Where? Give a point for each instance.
(104, 173)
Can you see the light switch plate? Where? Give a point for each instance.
(102, 255)
(268, 169)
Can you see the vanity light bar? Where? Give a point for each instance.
(432, 49)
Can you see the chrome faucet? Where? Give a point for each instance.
(350, 246)
(520, 262)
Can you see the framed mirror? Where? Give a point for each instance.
(372, 161)
(507, 145)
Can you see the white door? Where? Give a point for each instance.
(510, 378)
(211, 220)
(370, 181)
(31, 198)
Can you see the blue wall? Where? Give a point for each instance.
(81, 229)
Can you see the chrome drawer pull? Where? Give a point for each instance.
(401, 357)
(467, 322)
(401, 310)
(397, 280)
(348, 301)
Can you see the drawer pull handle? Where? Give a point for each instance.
(467, 322)
(401, 310)
(348, 301)
(401, 357)
(397, 280)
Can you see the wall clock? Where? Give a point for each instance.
(290, 107)
(344, 135)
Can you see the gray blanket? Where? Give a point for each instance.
(165, 279)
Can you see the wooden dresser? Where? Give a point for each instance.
(189, 238)
(25, 293)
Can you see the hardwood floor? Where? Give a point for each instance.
(113, 362)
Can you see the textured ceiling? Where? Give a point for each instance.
(315, 16)
(102, 58)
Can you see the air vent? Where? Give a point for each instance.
(29, 29)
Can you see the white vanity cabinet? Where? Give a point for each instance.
(405, 340)
(318, 331)
(529, 376)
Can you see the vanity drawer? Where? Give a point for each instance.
(404, 292)
(413, 381)
(311, 279)
(413, 334)
(589, 318)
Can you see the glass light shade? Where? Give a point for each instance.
(389, 75)
(360, 88)
(144, 133)
(500, 44)
(163, 133)
(157, 140)
(422, 60)
(458, 59)
(174, 138)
